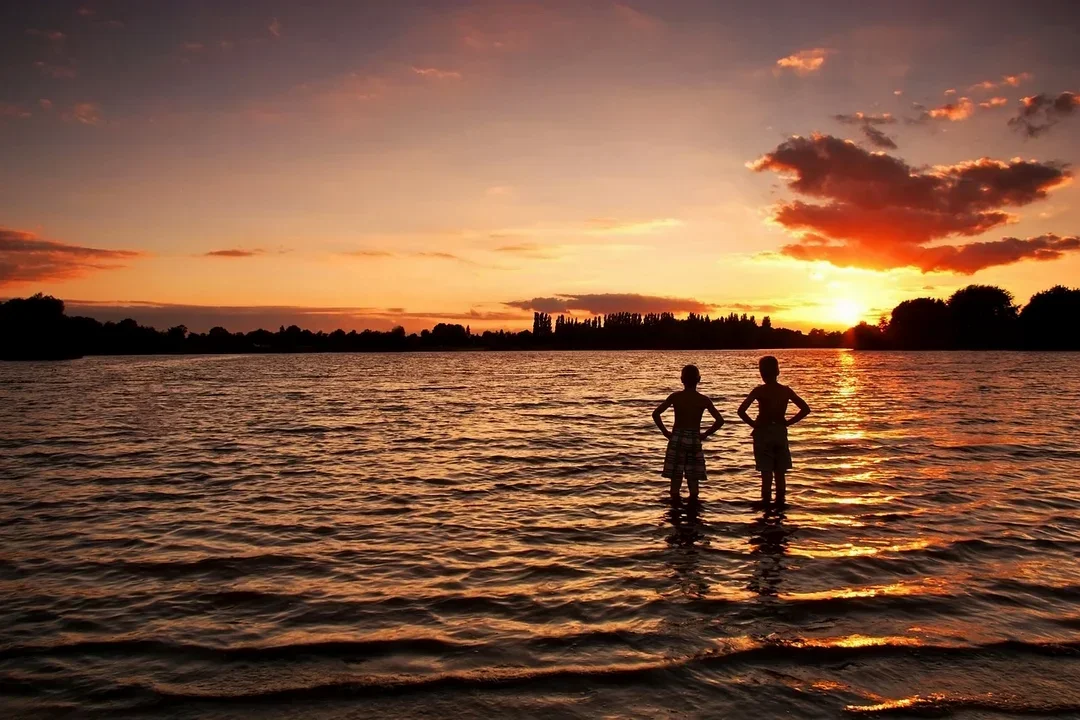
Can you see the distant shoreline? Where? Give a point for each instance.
(464, 351)
(975, 318)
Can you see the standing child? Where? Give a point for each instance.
(684, 455)
(772, 457)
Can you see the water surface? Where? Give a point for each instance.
(475, 534)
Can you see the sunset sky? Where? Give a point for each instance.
(369, 164)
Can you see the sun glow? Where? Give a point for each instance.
(847, 311)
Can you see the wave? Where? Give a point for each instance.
(563, 678)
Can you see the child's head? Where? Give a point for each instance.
(690, 376)
(769, 368)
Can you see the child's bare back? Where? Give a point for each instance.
(689, 406)
(772, 401)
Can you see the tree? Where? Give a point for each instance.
(919, 324)
(1051, 320)
(982, 317)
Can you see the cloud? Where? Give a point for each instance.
(26, 257)
(611, 226)
(605, 303)
(57, 72)
(962, 109)
(235, 253)
(1015, 80)
(87, 113)
(444, 256)
(969, 259)
(754, 308)
(866, 123)
(370, 253)
(1005, 81)
(430, 255)
(54, 37)
(803, 62)
(1041, 112)
(437, 74)
(14, 110)
(994, 102)
(192, 47)
(878, 212)
(877, 138)
(274, 27)
(526, 249)
(637, 19)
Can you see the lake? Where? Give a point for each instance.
(487, 534)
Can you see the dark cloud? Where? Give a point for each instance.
(969, 259)
(200, 318)
(604, 303)
(867, 122)
(879, 212)
(25, 257)
(1041, 112)
(235, 253)
(877, 138)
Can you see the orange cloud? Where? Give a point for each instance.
(879, 212)
(1015, 80)
(437, 74)
(994, 102)
(1006, 80)
(26, 257)
(962, 109)
(803, 62)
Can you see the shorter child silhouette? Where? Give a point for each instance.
(684, 455)
(772, 457)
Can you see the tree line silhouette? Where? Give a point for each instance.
(977, 317)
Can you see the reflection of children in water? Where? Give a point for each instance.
(769, 540)
(686, 540)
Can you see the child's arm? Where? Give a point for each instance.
(716, 415)
(660, 411)
(804, 409)
(750, 398)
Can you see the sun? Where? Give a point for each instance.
(847, 311)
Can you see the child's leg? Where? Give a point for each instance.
(692, 485)
(781, 487)
(766, 486)
(676, 486)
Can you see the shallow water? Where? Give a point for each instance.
(487, 534)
